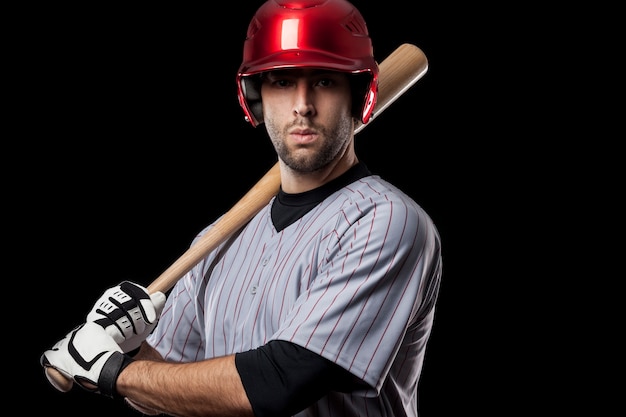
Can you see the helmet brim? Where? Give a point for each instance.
(309, 59)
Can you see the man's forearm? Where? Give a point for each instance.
(207, 388)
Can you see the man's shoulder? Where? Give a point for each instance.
(376, 188)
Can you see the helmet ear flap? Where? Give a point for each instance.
(364, 91)
(251, 90)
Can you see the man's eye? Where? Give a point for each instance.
(326, 82)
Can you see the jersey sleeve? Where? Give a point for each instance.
(371, 294)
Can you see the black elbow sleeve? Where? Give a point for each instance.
(282, 378)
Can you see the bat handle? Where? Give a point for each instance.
(245, 209)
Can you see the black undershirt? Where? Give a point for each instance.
(281, 378)
(288, 208)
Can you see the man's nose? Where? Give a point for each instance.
(303, 104)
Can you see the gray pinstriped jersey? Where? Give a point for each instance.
(354, 280)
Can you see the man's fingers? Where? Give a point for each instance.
(58, 380)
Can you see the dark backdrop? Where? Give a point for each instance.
(133, 140)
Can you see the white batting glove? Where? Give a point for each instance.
(87, 356)
(128, 313)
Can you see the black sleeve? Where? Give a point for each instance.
(282, 378)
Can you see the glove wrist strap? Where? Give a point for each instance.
(111, 370)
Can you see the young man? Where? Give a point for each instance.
(322, 305)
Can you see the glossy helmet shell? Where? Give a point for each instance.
(325, 34)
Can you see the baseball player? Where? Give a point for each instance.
(323, 303)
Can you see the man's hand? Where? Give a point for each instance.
(87, 356)
(128, 313)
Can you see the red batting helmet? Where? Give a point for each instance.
(325, 34)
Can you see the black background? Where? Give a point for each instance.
(131, 140)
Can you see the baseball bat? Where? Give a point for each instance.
(397, 73)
